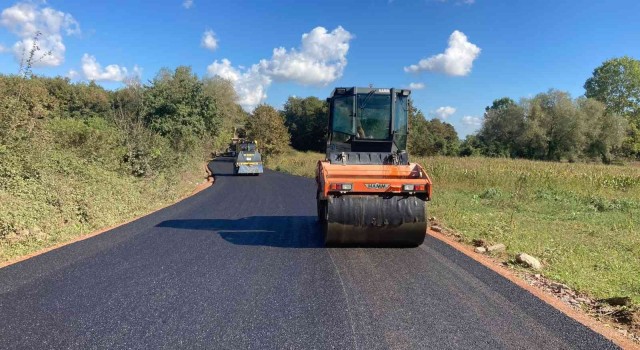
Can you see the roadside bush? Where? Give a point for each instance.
(93, 139)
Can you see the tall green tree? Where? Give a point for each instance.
(430, 137)
(561, 126)
(616, 83)
(604, 132)
(266, 126)
(417, 141)
(178, 108)
(229, 111)
(503, 123)
(500, 104)
(442, 138)
(307, 121)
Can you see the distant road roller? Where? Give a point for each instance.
(248, 159)
(369, 194)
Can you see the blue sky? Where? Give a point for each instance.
(506, 48)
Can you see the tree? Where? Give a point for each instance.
(442, 138)
(561, 127)
(417, 143)
(430, 137)
(604, 132)
(616, 83)
(545, 127)
(503, 123)
(178, 108)
(500, 104)
(471, 146)
(230, 112)
(266, 126)
(550, 126)
(307, 121)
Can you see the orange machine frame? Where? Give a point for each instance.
(371, 179)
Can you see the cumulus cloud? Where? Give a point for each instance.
(250, 84)
(320, 60)
(416, 86)
(457, 59)
(223, 69)
(472, 121)
(443, 113)
(209, 40)
(28, 20)
(92, 70)
(187, 4)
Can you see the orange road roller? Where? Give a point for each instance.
(369, 194)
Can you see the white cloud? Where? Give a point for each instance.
(187, 4)
(472, 121)
(224, 69)
(3, 49)
(209, 40)
(443, 113)
(416, 86)
(73, 74)
(92, 70)
(27, 20)
(319, 60)
(251, 85)
(457, 59)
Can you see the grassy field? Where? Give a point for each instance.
(581, 220)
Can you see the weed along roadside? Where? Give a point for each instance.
(571, 224)
(31, 242)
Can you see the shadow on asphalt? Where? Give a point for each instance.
(270, 231)
(234, 175)
(224, 159)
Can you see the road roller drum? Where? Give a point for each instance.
(364, 220)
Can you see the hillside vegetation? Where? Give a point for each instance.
(582, 220)
(75, 157)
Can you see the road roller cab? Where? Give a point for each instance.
(368, 191)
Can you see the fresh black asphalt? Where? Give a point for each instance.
(240, 265)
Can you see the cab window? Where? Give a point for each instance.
(343, 115)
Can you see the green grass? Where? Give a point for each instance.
(52, 196)
(581, 220)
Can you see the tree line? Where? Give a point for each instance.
(149, 127)
(603, 125)
(143, 129)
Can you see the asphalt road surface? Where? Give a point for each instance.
(241, 265)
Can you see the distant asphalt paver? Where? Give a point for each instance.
(241, 265)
